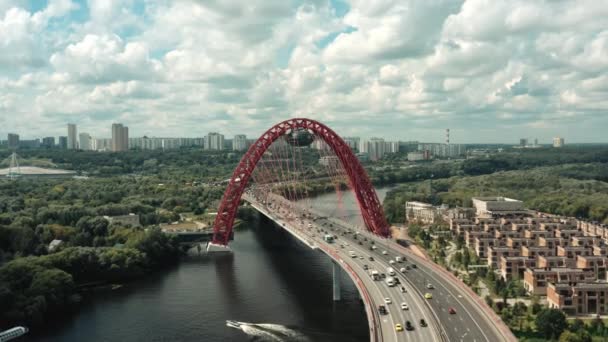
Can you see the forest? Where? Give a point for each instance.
(36, 284)
(577, 190)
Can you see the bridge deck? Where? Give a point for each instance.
(472, 321)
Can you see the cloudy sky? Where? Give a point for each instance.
(491, 70)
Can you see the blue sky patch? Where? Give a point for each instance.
(323, 42)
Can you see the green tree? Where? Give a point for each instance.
(580, 336)
(550, 323)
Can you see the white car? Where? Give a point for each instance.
(392, 262)
(361, 257)
(404, 306)
(384, 252)
(402, 270)
(430, 286)
(387, 300)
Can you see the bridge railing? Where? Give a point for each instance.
(372, 316)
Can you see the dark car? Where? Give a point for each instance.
(361, 243)
(409, 326)
(371, 258)
(414, 266)
(382, 275)
(452, 311)
(382, 310)
(423, 323)
(397, 281)
(365, 267)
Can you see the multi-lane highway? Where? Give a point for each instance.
(470, 320)
(450, 315)
(310, 231)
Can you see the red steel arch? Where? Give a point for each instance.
(371, 209)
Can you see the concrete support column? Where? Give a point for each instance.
(336, 281)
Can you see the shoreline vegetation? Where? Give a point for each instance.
(160, 186)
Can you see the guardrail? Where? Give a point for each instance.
(372, 315)
(375, 332)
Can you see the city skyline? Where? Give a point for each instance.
(364, 69)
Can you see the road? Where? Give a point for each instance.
(309, 231)
(469, 323)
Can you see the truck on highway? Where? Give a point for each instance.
(390, 281)
(390, 271)
(374, 274)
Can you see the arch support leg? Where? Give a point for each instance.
(336, 281)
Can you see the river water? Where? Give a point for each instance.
(282, 289)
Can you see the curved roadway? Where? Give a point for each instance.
(470, 322)
(309, 231)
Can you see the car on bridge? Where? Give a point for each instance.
(387, 300)
(398, 327)
(382, 310)
(423, 323)
(430, 286)
(404, 306)
(428, 296)
(403, 290)
(409, 326)
(452, 311)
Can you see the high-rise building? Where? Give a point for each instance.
(48, 142)
(523, 142)
(443, 150)
(72, 132)
(63, 142)
(558, 142)
(85, 141)
(353, 142)
(214, 142)
(120, 137)
(391, 147)
(101, 144)
(13, 140)
(374, 147)
(239, 143)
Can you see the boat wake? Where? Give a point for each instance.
(262, 332)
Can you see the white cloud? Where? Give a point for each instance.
(394, 67)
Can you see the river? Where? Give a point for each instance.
(272, 282)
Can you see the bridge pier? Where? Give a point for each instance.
(336, 281)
